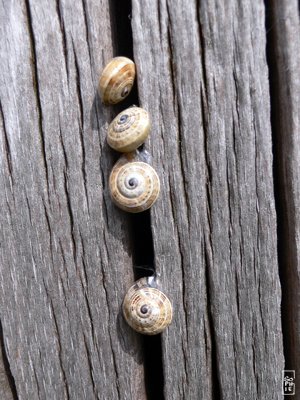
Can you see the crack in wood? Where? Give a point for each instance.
(216, 385)
(142, 241)
(59, 342)
(63, 35)
(88, 41)
(81, 124)
(7, 149)
(91, 369)
(35, 80)
(9, 376)
(71, 218)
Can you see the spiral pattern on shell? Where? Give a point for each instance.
(129, 129)
(134, 185)
(146, 309)
(116, 80)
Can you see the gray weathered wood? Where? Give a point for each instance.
(65, 252)
(203, 76)
(285, 31)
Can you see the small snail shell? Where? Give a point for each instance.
(146, 309)
(134, 185)
(129, 129)
(116, 80)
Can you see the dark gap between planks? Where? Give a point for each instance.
(9, 375)
(140, 224)
(278, 195)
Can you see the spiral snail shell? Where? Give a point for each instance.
(129, 129)
(146, 309)
(116, 80)
(134, 185)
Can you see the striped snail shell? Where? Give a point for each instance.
(129, 129)
(146, 309)
(134, 185)
(116, 80)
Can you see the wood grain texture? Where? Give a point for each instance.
(285, 32)
(65, 251)
(202, 75)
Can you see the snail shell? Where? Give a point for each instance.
(116, 80)
(134, 185)
(146, 309)
(129, 129)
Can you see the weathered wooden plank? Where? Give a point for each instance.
(65, 250)
(202, 74)
(285, 61)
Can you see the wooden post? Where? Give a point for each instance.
(67, 254)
